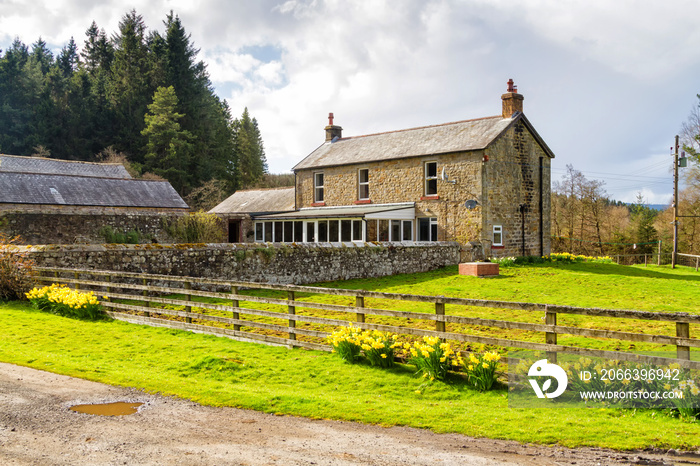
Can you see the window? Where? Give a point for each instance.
(318, 187)
(259, 231)
(357, 230)
(363, 183)
(427, 229)
(498, 235)
(333, 231)
(323, 231)
(431, 178)
(407, 230)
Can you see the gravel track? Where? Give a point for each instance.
(37, 428)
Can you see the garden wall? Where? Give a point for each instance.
(272, 263)
(68, 227)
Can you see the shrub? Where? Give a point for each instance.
(114, 236)
(481, 370)
(15, 269)
(196, 227)
(63, 301)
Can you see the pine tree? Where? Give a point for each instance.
(250, 153)
(128, 89)
(168, 150)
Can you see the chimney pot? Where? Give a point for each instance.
(512, 101)
(333, 131)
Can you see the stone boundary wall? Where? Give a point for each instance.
(71, 228)
(265, 263)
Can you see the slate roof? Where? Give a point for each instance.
(18, 164)
(258, 201)
(446, 138)
(38, 188)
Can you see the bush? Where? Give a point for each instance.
(113, 236)
(197, 227)
(63, 301)
(15, 269)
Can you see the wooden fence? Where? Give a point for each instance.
(141, 299)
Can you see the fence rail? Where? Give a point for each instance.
(169, 301)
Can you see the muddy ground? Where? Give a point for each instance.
(37, 428)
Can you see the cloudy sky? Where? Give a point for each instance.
(607, 84)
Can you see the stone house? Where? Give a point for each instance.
(49, 201)
(483, 182)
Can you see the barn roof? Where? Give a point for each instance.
(258, 201)
(19, 164)
(39, 188)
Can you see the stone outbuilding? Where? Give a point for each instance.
(59, 201)
(483, 182)
(239, 209)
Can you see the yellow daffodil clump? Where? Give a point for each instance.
(61, 300)
(481, 370)
(378, 347)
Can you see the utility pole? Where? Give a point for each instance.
(675, 205)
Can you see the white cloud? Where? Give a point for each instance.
(603, 81)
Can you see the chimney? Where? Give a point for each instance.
(512, 101)
(332, 131)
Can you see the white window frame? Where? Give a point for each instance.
(497, 233)
(429, 178)
(319, 188)
(361, 184)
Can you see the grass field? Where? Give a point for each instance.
(221, 372)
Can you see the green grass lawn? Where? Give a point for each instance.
(220, 372)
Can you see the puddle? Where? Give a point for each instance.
(108, 409)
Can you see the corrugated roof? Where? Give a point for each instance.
(439, 139)
(33, 188)
(18, 164)
(258, 201)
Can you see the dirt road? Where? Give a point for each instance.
(37, 428)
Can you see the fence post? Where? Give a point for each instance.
(188, 298)
(439, 311)
(683, 331)
(360, 303)
(658, 260)
(108, 279)
(645, 260)
(291, 310)
(550, 318)
(697, 263)
(144, 293)
(235, 303)
(77, 277)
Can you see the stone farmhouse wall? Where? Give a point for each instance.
(517, 194)
(80, 226)
(268, 263)
(403, 180)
